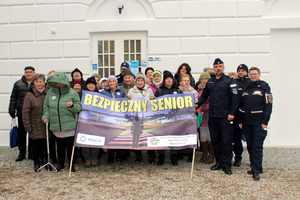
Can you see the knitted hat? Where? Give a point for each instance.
(218, 61)
(204, 74)
(91, 80)
(76, 82)
(156, 72)
(128, 72)
(167, 74)
(242, 66)
(76, 70)
(102, 79)
(206, 69)
(140, 75)
(112, 77)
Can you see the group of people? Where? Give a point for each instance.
(229, 106)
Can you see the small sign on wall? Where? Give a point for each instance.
(95, 66)
(154, 58)
(144, 64)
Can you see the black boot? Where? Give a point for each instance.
(20, 157)
(161, 159)
(174, 159)
(151, 158)
(190, 157)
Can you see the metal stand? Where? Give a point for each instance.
(48, 153)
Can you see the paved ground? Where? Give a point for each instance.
(274, 158)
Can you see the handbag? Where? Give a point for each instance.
(14, 134)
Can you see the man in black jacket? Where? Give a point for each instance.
(76, 74)
(223, 103)
(20, 88)
(242, 81)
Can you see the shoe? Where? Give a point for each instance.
(60, 167)
(110, 159)
(216, 167)
(174, 159)
(205, 151)
(88, 163)
(190, 158)
(36, 167)
(228, 170)
(20, 157)
(237, 163)
(211, 156)
(161, 159)
(94, 163)
(151, 159)
(252, 172)
(256, 176)
(73, 169)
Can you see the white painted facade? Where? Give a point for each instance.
(59, 35)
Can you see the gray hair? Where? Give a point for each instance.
(96, 75)
(40, 76)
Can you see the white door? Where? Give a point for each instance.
(110, 49)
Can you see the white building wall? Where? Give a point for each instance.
(55, 35)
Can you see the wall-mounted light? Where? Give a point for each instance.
(120, 6)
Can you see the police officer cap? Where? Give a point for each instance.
(124, 65)
(218, 61)
(242, 66)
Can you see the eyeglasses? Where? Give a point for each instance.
(204, 78)
(256, 74)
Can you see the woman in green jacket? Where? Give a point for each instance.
(61, 108)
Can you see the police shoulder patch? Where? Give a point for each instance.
(234, 91)
(269, 98)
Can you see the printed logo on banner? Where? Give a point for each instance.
(86, 139)
(154, 141)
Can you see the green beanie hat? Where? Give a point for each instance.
(204, 74)
(156, 72)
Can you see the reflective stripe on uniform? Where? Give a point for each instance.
(241, 111)
(233, 85)
(259, 111)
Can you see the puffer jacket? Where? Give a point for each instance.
(119, 93)
(163, 90)
(145, 92)
(18, 93)
(32, 113)
(61, 117)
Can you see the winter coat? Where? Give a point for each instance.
(61, 117)
(204, 108)
(119, 93)
(154, 87)
(32, 113)
(125, 88)
(163, 90)
(190, 89)
(145, 92)
(18, 93)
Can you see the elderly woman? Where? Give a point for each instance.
(32, 113)
(61, 108)
(205, 140)
(114, 91)
(103, 83)
(91, 154)
(184, 68)
(141, 89)
(97, 78)
(77, 86)
(256, 108)
(185, 87)
(157, 81)
(148, 73)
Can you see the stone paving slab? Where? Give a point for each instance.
(274, 158)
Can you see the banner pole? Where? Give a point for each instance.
(193, 163)
(71, 161)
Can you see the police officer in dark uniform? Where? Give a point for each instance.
(223, 103)
(242, 81)
(256, 108)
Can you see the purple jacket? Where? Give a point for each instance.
(204, 108)
(154, 87)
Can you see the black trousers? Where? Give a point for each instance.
(237, 140)
(62, 145)
(221, 133)
(39, 148)
(22, 138)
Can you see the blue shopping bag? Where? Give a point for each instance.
(14, 135)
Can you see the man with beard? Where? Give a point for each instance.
(223, 103)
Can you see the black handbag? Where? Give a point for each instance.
(14, 134)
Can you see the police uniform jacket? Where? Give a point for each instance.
(223, 96)
(256, 104)
(241, 84)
